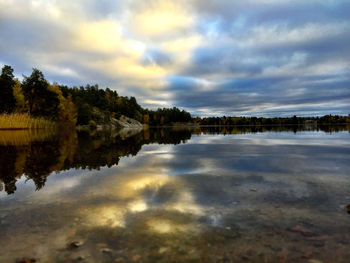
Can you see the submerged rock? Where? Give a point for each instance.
(348, 208)
(26, 260)
(80, 258)
(106, 250)
(225, 233)
(314, 261)
(318, 244)
(136, 258)
(75, 244)
(303, 231)
(162, 250)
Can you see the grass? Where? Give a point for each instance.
(21, 121)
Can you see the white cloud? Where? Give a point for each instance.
(265, 35)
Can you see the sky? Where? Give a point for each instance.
(209, 57)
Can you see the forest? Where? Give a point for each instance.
(88, 105)
(279, 121)
(76, 105)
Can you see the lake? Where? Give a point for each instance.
(213, 194)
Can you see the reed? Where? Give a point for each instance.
(17, 121)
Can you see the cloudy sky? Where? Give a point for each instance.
(210, 57)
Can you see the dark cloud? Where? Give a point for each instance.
(222, 59)
(269, 59)
(264, 97)
(257, 12)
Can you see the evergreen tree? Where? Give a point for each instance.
(41, 101)
(7, 100)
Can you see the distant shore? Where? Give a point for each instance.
(23, 121)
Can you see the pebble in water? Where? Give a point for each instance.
(303, 231)
(75, 244)
(136, 258)
(106, 250)
(26, 260)
(348, 208)
(162, 250)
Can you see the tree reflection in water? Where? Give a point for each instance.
(36, 154)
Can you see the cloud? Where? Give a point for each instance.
(212, 58)
(156, 57)
(161, 19)
(263, 97)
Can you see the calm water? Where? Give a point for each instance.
(210, 195)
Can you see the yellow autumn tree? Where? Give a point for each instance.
(21, 105)
(67, 110)
(146, 118)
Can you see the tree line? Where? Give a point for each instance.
(36, 96)
(255, 121)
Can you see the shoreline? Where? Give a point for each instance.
(100, 127)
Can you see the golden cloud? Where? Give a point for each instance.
(162, 18)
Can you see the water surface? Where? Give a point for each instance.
(229, 194)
